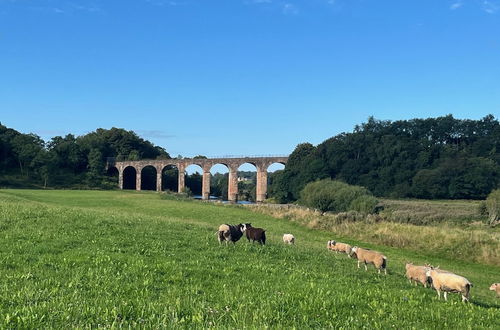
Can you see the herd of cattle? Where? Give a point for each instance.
(441, 280)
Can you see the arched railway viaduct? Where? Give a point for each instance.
(261, 163)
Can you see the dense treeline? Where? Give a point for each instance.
(25, 159)
(424, 158)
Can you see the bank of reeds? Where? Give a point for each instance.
(427, 212)
(477, 243)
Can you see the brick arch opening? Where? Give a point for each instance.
(194, 179)
(170, 178)
(129, 178)
(274, 171)
(273, 167)
(219, 181)
(148, 178)
(247, 182)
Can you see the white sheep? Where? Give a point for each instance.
(370, 257)
(288, 238)
(449, 282)
(418, 274)
(496, 287)
(340, 247)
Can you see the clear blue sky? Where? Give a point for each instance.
(243, 77)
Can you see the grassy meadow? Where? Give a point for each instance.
(85, 259)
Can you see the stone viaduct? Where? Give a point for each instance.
(261, 163)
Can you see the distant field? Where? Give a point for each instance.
(426, 212)
(102, 259)
(452, 228)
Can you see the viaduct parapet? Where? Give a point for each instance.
(261, 163)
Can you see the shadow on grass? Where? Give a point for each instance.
(484, 305)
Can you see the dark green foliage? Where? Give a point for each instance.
(148, 178)
(194, 183)
(426, 158)
(218, 185)
(170, 178)
(69, 161)
(335, 196)
(247, 185)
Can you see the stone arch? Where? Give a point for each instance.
(148, 177)
(216, 167)
(272, 167)
(219, 180)
(129, 177)
(272, 170)
(170, 177)
(194, 180)
(247, 181)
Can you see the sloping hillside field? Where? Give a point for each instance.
(101, 259)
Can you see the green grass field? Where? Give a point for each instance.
(108, 259)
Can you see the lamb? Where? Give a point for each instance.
(256, 234)
(496, 287)
(230, 233)
(340, 247)
(418, 274)
(449, 282)
(370, 257)
(288, 238)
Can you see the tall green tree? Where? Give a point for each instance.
(439, 157)
(26, 147)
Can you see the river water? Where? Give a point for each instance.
(213, 198)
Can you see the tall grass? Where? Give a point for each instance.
(89, 259)
(477, 243)
(427, 212)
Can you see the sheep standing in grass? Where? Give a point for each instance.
(288, 239)
(231, 233)
(340, 247)
(449, 282)
(418, 274)
(370, 257)
(256, 234)
(496, 287)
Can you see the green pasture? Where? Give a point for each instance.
(87, 259)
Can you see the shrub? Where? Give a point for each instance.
(335, 196)
(364, 204)
(170, 195)
(493, 206)
(481, 208)
(187, 191)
